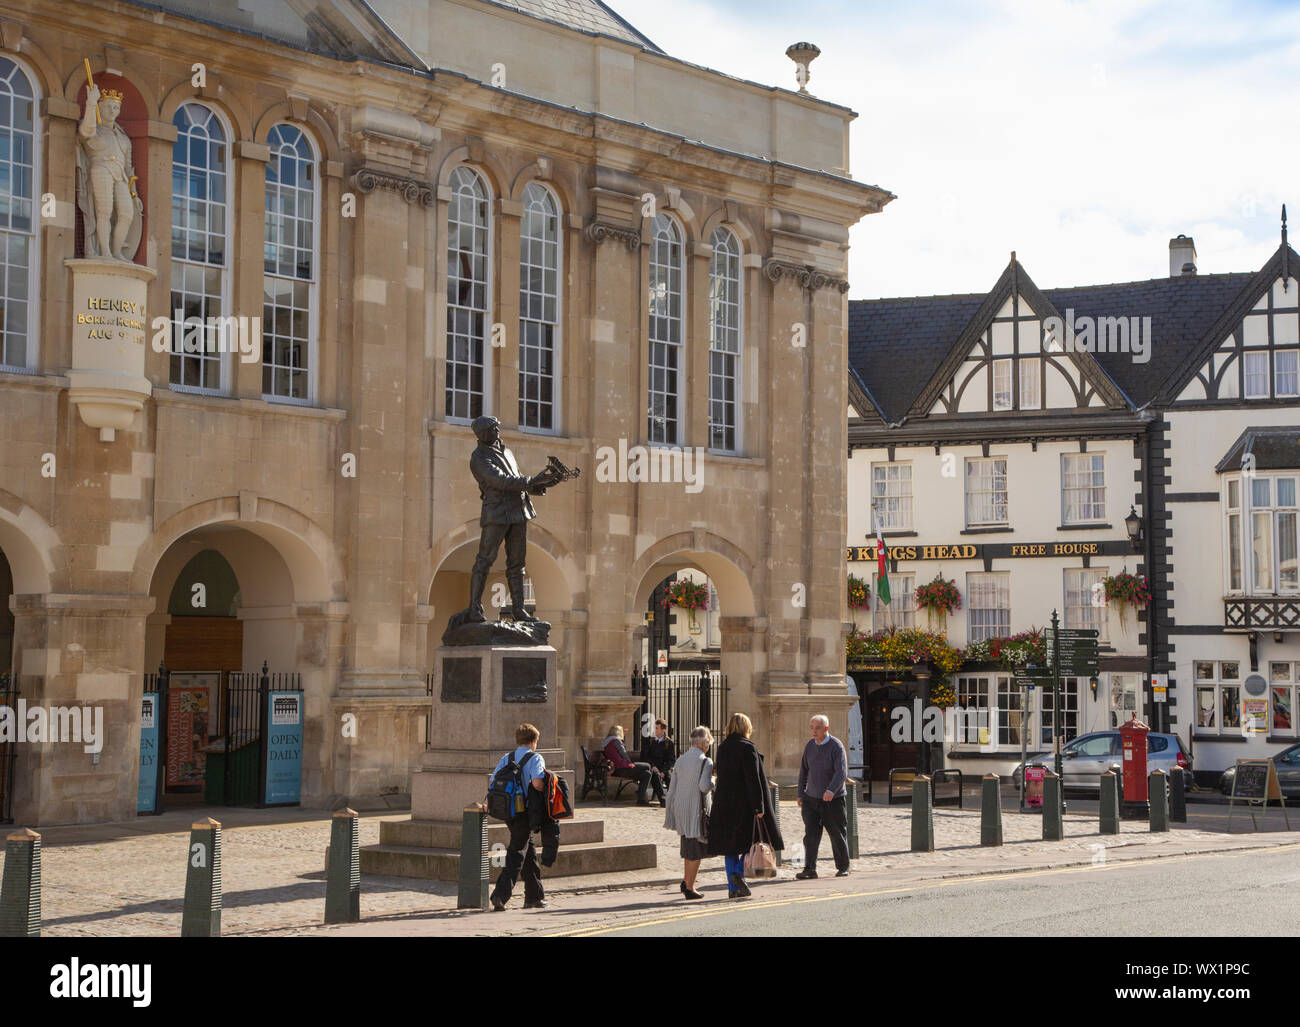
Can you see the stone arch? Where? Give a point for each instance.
(314, 567)
(725, 563)
(325, 138)
(494, 176)
(238, 119)
(543, 175)
(721, 218)
(36, 62)
(31, 545)
(76, 79)
(562, 562)
(670, 201)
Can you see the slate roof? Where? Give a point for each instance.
(583, 15)
(1275, 448)
(896, 345)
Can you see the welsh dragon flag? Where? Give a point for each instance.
(882, 569)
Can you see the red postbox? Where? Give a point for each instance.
(1133, 737)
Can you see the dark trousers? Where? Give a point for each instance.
(644, 775)
(520, 855)
(833, 816)
(490, 538)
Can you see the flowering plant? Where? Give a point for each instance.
(942, 695)
(687, 594)
(904, 648)
(1127, 589)
(939, 596)
(859, 594)
(1009, 651)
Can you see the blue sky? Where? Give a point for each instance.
(1082, 135)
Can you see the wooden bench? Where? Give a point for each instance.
(598, 775)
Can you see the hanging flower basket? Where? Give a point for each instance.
(1125, 590)
(938, 599)
(942, 695)
(689, 595)
(859, 594)
(1010, 652)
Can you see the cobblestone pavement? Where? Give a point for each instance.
(129, 879)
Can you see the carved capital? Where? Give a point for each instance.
(598, 231)
(367, 180)
(806, 275)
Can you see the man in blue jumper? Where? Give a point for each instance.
(822, 776)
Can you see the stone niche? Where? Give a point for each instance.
(481, 693)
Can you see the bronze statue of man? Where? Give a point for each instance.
(507, 510)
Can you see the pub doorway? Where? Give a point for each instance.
(878, 720)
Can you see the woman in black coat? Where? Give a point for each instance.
(742, 792)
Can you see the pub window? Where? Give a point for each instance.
(1286, 372)
(973, 702)
(1002, 384)
(1233, 503)
(1081, 609)
(18, 180)
(1070, 690)
(989, 602)
(891, 496)
(1271, 564)
(539, 308)
(1010, 715)
(666, 301)
(1083, 488)
(200, 242)
(1256, 375)
(901, 610)
(468, 294)
(725, 335)
(290, 266)
(1218, 697)
(1030, 390)
(986, 491)
(1123, 699)
(1282, 679)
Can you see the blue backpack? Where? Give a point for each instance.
(507, 798)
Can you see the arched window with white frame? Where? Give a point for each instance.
(725, 340)
(291, 258)
(539, 309)
(19, 177)
(200, 248)
(666, 307)
(469, 293)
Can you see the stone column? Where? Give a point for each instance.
(247, 257)
(504, 360)
(158, 244)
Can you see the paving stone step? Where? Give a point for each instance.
(437, 834)
(444, 864)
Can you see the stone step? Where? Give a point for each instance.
(444, 864)
(438, 834)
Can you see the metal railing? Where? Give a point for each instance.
(943, 777)
(8, 750)
(900, 798)
(684, 699)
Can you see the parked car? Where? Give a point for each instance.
(1287, 763)
(1086, 758)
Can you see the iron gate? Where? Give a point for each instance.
(8, 749)
(243, 753)
(684, 699)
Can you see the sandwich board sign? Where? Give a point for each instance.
(1254, 783)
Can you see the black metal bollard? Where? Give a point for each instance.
(473, 890)
(1110, 803)
(922, 815)
(775, 790)
(343, 880)
(20, 895)
(1053, 827)
(201, 917)
(1158, 799)
(1178, 795)
(851, 815)
(991, 811)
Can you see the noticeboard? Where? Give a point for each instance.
(1254, 782)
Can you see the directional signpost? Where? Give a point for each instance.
(1074, 648)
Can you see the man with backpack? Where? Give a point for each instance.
(510, 798)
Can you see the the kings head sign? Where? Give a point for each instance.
(989, 550)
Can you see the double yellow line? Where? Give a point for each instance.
(747, 907)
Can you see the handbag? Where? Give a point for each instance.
(705, 802)
(760, 860)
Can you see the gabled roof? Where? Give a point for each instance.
(590, 16)
(1274, 448)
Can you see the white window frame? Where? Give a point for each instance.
(972, 692)
(1080, 610)
(556, 325)
(1290, 685)
(1070, 479)
(1033, 398)
(223, 361)
(32, 334)
(1249, 356)
(1003, 367)
(1294, 373)
(1217, 683)
(885, 520)
(312, 283)
(720, 327)
(1236, 519)
(677, 238)
(976, 586)
(991, 490)
(901, 610)
(485, 342)
(1071, 693)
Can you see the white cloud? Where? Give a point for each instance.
(1082, 135)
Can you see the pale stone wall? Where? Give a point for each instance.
(349, 580)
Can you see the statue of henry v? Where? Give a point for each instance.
(110, 209)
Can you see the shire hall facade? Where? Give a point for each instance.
(413, 214)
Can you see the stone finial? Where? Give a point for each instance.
(803, 54)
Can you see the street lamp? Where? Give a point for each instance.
(1133, 524)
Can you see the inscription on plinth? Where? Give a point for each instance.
(462, 679)
(523, 680)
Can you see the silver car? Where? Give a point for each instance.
(1086, 758)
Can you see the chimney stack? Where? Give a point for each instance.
(1182, 256)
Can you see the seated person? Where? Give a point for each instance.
(642, 773)
(659, 751)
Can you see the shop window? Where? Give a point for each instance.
(1070, 692)
(1283, 690)
(1218, 697)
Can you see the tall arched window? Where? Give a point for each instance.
(539, 308)
(665, 305)
(290, 266)
(725, 334)
(17, 217)
(200, 205)
(468, 293)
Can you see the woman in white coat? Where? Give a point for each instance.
(688, 805)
